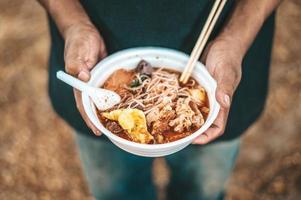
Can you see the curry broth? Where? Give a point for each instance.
(116, 83)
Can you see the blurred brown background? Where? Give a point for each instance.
(38, 158)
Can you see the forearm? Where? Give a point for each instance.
(246, 21)
(66, 13)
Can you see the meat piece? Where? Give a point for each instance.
(198, 120)
(194, 107)
(167, 112)
(188, 116)
(118, 79)
(183, 121)
(114, 127)
(144, 67)
(160, 126)
(164, 116)
(152, 116)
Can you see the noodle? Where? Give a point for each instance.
(161, 84)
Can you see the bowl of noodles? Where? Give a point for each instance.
(157, 115)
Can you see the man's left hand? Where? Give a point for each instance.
(223, 61)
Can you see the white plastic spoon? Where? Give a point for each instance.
(103, 99)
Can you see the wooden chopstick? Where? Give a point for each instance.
(203, 38)
(199, 41)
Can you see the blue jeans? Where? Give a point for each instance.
(197, 172)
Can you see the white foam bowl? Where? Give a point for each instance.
(159, 57)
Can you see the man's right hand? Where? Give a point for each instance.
(84, 47)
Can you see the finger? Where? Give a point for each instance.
(225, 88)
(216, 129)
(93, 55)
(103, 52)
(79, 105)
(219, 125)
(96, 53)
(84, 75)
(79, 58)
(75, 65)
(91, 60)
(223, 97)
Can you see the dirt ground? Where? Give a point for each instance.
(38, 158)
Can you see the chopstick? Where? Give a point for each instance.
(203, 38)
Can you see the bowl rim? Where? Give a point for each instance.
(142, 50)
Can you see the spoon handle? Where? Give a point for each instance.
(74, 82)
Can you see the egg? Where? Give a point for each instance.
(133, 121)
(113, 115)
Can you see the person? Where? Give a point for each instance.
(237, 56)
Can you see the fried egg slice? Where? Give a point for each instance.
(133, 121)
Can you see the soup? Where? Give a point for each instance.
(155, 107)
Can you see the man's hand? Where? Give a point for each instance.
(223, 62)
(224, 55)
(84, 47)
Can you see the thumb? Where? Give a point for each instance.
(223, 97)
(75, 62)
(78, 68)
(226, 85)
(84, 74)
